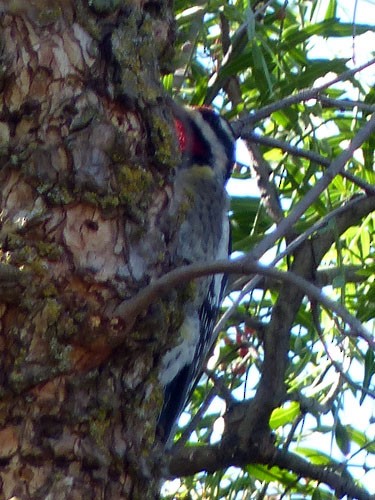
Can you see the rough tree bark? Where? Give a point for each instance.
(85, 157)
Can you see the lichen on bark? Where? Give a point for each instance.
(86, 158)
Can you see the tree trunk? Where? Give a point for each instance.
(86, 150)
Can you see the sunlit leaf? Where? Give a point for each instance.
(331, 9)
(283, 416)
(361, 439)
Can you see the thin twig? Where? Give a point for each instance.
(345, 104)
(268, 191)
(192, 425)
(309, 155)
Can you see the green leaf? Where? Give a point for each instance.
(247, 219)
(250, 23)
(361, 439)
(283, 416)
(260, 64)
(269, 474)
(327, 28)
(369, 371)
(342, 438)
(314, 69)
(315, 457)
(316, 495)
(331, 10)
(168, 82)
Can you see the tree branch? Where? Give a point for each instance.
(147, 296)
(323, 277)
(252, 136)
(195, 420)
(243, 420)
(342, 485)
(348, 214)
(268, 191)
(328, 102)
(314, 228)
(191, 460)
(350, 274)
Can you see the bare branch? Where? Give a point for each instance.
(242, 265)
(341, 484)
(189, 461)
(349, 274)
(268, 191)
(195, 420)
(129, 310)
(286, 224)
(323, 277)
(343, 372)
(219, 388)
(345, 104)
(311, 405)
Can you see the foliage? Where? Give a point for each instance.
(248, 60)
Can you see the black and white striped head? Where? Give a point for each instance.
(207, 139)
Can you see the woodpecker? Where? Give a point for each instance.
(200, 203)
